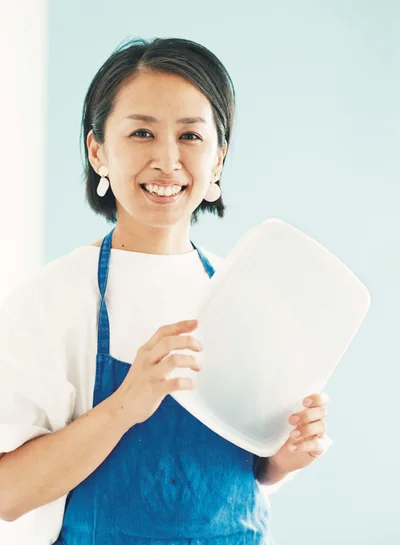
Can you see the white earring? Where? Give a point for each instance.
(213, 192)
(104, 184)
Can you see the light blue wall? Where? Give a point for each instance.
(316, 144)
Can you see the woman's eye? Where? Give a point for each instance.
(191, 134)
(142, 131)
(137, 133)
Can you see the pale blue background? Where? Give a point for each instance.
(316, 144)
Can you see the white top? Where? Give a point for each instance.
(48, 345)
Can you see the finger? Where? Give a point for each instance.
(324, 443)
(317, 428)
(316, 400)
(170, 330)
(314, 445)
(307, 416)
(174, 362)
(318, 452)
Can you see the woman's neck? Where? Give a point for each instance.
(149, 240)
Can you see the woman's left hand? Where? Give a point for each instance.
(310, 441)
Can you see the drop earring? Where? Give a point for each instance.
(104, 184)
(213, 192)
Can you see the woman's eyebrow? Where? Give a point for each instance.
(151, 119)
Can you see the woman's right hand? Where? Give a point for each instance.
(146, 385)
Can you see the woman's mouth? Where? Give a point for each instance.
(162, 199)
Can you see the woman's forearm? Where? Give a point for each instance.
(269, 473)
(47, 467)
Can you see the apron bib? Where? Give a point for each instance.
(169, 478)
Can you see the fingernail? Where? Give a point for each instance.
(308, 401)
(295, 434)
(292, 448)
(294, 419)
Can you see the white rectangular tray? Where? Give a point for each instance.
(277, 319)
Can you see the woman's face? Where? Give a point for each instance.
(179, 144)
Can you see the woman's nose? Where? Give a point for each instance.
(166, 156)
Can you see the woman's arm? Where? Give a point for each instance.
(45, 468)
(268, 473)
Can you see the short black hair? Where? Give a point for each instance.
(182, 57)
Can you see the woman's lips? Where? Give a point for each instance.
(162, 199)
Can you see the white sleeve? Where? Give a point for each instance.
(35, 396)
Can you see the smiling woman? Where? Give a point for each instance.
(89, 343)
(157, 113)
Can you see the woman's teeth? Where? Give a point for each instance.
(163, 191)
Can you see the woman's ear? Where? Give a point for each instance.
(95, 152)
(221, 157)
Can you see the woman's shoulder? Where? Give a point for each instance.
(53, 282)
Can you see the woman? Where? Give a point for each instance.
(87, 341)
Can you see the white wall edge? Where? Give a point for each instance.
(23, 58)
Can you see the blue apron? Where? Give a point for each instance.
(170, 480)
